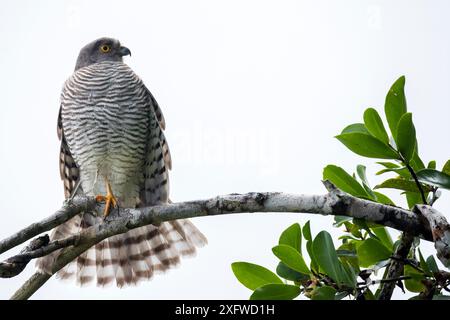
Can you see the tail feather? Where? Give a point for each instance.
(161, 253)
(86, 267)
(136, 258)
(128, 258)
(177, 238)
(105, 263)
(145, 251)
(124, 274)
(189, 232)
(68, 228)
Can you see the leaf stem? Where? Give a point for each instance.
(419, 186)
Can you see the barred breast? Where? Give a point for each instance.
(107, 122)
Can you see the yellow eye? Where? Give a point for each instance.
(105, 48)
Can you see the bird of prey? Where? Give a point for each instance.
(113, 147)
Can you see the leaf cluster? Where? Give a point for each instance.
(315, 267)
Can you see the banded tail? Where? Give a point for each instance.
(128, 258)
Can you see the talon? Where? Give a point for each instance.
(109, 200)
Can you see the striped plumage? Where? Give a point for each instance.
(110, 126)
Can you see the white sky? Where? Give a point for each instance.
(253, 93)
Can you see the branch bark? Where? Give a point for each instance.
(15, 265)
(335, 202)
(441, 238)
(396, 265)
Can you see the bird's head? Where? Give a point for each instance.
(103, 49)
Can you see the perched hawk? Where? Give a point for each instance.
(113, 147)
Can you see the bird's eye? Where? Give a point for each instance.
(105, 48)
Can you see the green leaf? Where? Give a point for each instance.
(392, 167)
(403, 172)
(434, 178)
(372, 195)
(413, 198)
(384, 236)
(372, 251)
(350, 274)
(367, 146)
(375, 126)
(343, 181)
(446, 168)
(401, 184)
(327, 258)
(389, 165)
(309, 248)
(355, 127)
(432, 265)
(395, 104)
(291, 257)
(364, 225)
(307, 231)
(323, 293)
(423, 264)
(275, 292)
(353, 229)
(361, 170)
(381, 198)
(414, 284)
(340, 220)
(252, 275)
(292, 236)
(431, 164)
(287, 273)
(347, 253)
(347, 237)
(406, 136)
(417, 163)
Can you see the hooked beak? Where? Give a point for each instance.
(124, 51)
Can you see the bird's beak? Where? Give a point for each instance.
(124, 51)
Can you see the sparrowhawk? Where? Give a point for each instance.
(113, 147)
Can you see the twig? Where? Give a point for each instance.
(15, 265)
(365, 285)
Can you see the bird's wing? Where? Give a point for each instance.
(155, 189)
(70, 174)
(156, 109)
(162, 126)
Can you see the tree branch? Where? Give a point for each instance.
(15, 265)
(395, 268)
(335, 202)
(441, 238)
(39, 247)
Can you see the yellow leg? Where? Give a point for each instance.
(109, 199)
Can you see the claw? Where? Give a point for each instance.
(109, 200)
